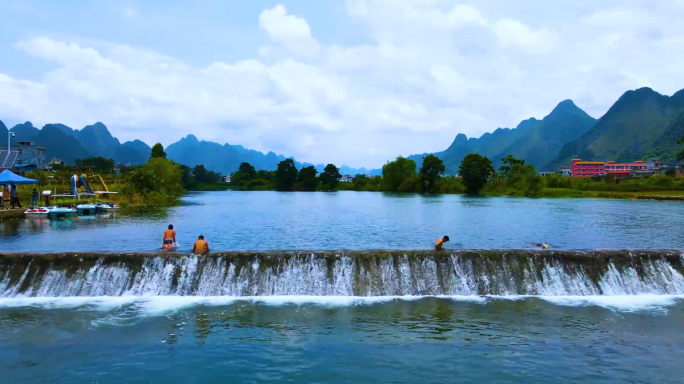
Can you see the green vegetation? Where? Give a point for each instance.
(475, 170)
(306, 179)
(286, 175)
(330, 177)
(400, 175)
(361, 183)
(430, 173)
(158, 151)
(515, 175)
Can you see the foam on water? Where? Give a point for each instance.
(623, 303)
(160, 305)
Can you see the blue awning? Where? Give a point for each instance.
(9, 177)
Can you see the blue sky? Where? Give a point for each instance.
(353, 82)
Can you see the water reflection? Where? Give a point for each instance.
(358, 220)
(529, 339)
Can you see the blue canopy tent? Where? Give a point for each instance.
(9, 177)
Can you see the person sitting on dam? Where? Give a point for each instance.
(440, 242)
(169, 239)
(201, 247)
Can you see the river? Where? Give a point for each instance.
(604, 305)
(363, 220)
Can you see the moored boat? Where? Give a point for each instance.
(86, 209)
(106, 207)
(60, 212)
(37, 212)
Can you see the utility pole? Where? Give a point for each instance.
(9, 135)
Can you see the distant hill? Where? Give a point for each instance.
(226, 158)
(544, 140)
(56, 143)
(97, 139)
(59, 145)
(536, 141)
(69, 144)
(641, 124)
(133, 152)
(629, 130)
(666, 146)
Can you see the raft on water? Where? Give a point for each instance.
(344, 273)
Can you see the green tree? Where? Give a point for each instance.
(475, 170)
(189, 182)
(286, 175)
(240, 179)
(169, 174)
(394, 173)
(330, 176)
(266, 175)
(142, 181)
(202, 175)
(306, 179)
(248, 169)
(525, 179)
(680, 155)
(158, 151)
(508, 162)
(430, 173)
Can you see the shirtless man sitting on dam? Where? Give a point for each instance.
(440, 242)
(201, 247)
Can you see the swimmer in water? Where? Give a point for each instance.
(541, 245)
(201, 247)
(169, 239)
(440, 242)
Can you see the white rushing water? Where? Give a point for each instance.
(144, 306)
(456, 275)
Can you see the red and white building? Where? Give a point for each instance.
(599, 168)
(623, 169)
(587, 168)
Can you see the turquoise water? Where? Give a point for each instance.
(341, 340)
(592, 319)
(357, 220)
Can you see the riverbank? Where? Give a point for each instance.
(577, 194)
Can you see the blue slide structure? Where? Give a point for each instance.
(84, 183)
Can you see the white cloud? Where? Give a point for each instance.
(515, 33)
(425, 71)
(291, 31)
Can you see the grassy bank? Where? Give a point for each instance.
(575, 193)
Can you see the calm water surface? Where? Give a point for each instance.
(430, 340)
(357, 220)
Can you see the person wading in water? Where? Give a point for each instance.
(440, 242)
(169, 240)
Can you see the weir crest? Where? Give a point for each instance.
(344, 273)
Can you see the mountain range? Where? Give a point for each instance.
(67, 144)
(641, 124)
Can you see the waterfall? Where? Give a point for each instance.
(372, 273)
